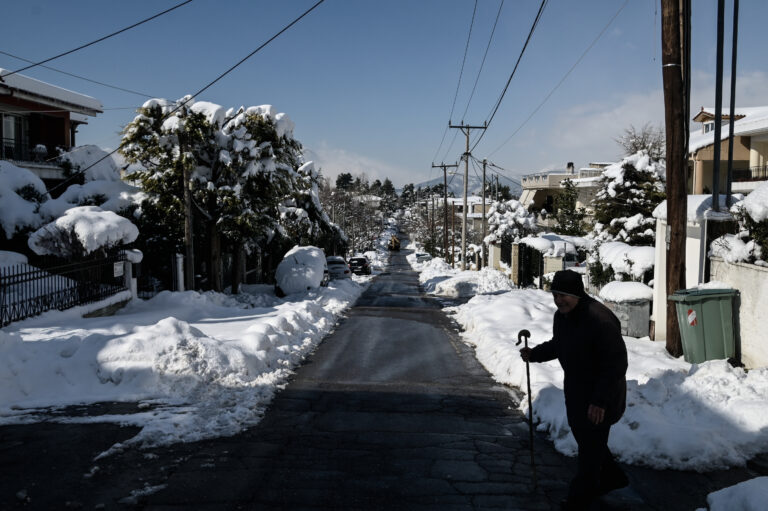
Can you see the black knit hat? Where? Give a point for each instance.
(568, 283)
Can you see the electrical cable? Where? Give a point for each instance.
(514, 70)
(75, 174)
(461, 73)
(80, 77)
(578, 61)
(96, 41)
(482, 63)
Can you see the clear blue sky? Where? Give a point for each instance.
(370, 83)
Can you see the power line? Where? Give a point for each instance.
(97, 40)
(456, 95)
(75, 174)
(80, 77)
(514, 70)
(578, 61)
(482, 63)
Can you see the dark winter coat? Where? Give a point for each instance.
(588, 343)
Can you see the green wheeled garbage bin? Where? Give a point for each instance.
(706, 323)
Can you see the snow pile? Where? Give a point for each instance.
(202, 365)
(748, 495)
(679, 416)
(438, 278)
(734, 248)
(100, 165)
(509, 220)
(556, 245)
(700, 207)
(11, 258)
(91, 227)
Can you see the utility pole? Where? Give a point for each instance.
(732, 112)
(718, 107)
(433, 225)
(453, 233)
(674, 31)
(482, 242)
(445, 206)
(466, 129)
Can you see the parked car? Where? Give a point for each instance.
(570, 260)
(360, 265)
(423, 257)
(338, 268)
(301, 269)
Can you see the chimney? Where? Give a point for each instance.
(569, 168)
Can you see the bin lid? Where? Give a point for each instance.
(682, 295)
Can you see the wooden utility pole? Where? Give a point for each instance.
(675, 100)
(445, 205)
(433, 225)
(466, 129)
(482, 242)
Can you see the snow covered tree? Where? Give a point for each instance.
(509, 221)
(629, 192)
(243, 166)
(570, 219)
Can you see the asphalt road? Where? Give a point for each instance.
(392, 411)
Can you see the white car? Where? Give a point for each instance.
(338, 267)
(423, 257)
(302, 269)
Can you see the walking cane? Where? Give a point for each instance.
(525, 334)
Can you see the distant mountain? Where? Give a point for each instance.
(474, 187)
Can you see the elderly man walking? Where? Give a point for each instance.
(587, 341)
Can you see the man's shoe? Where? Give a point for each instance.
(616, 480)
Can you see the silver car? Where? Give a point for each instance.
(338, 268)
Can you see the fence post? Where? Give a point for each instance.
(128, 281)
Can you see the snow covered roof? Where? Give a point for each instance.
(754, 121)
(24, 87)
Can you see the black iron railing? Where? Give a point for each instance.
(759, 173)
(27, 291)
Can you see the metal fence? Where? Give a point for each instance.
(27, 290)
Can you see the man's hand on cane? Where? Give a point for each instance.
(525, 354)
(595, 414)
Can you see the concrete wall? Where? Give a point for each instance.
(752, 283)
(692, 268)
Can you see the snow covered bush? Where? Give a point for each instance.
(751, 243)
(82, 231)
(629, 192)
(21, 195)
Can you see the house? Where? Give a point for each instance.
(750, 150)
(39, 120)
(541, 189)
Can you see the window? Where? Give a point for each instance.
(14, 131)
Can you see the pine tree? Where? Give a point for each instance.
(570, 219)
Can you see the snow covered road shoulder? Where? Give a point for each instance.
(201, 365)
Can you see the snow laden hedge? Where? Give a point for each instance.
(751, 243)
(82, 231)
(629, 193)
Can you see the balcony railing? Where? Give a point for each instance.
(759, 173)
(12, 149)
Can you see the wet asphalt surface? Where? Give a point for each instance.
(392, 411)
